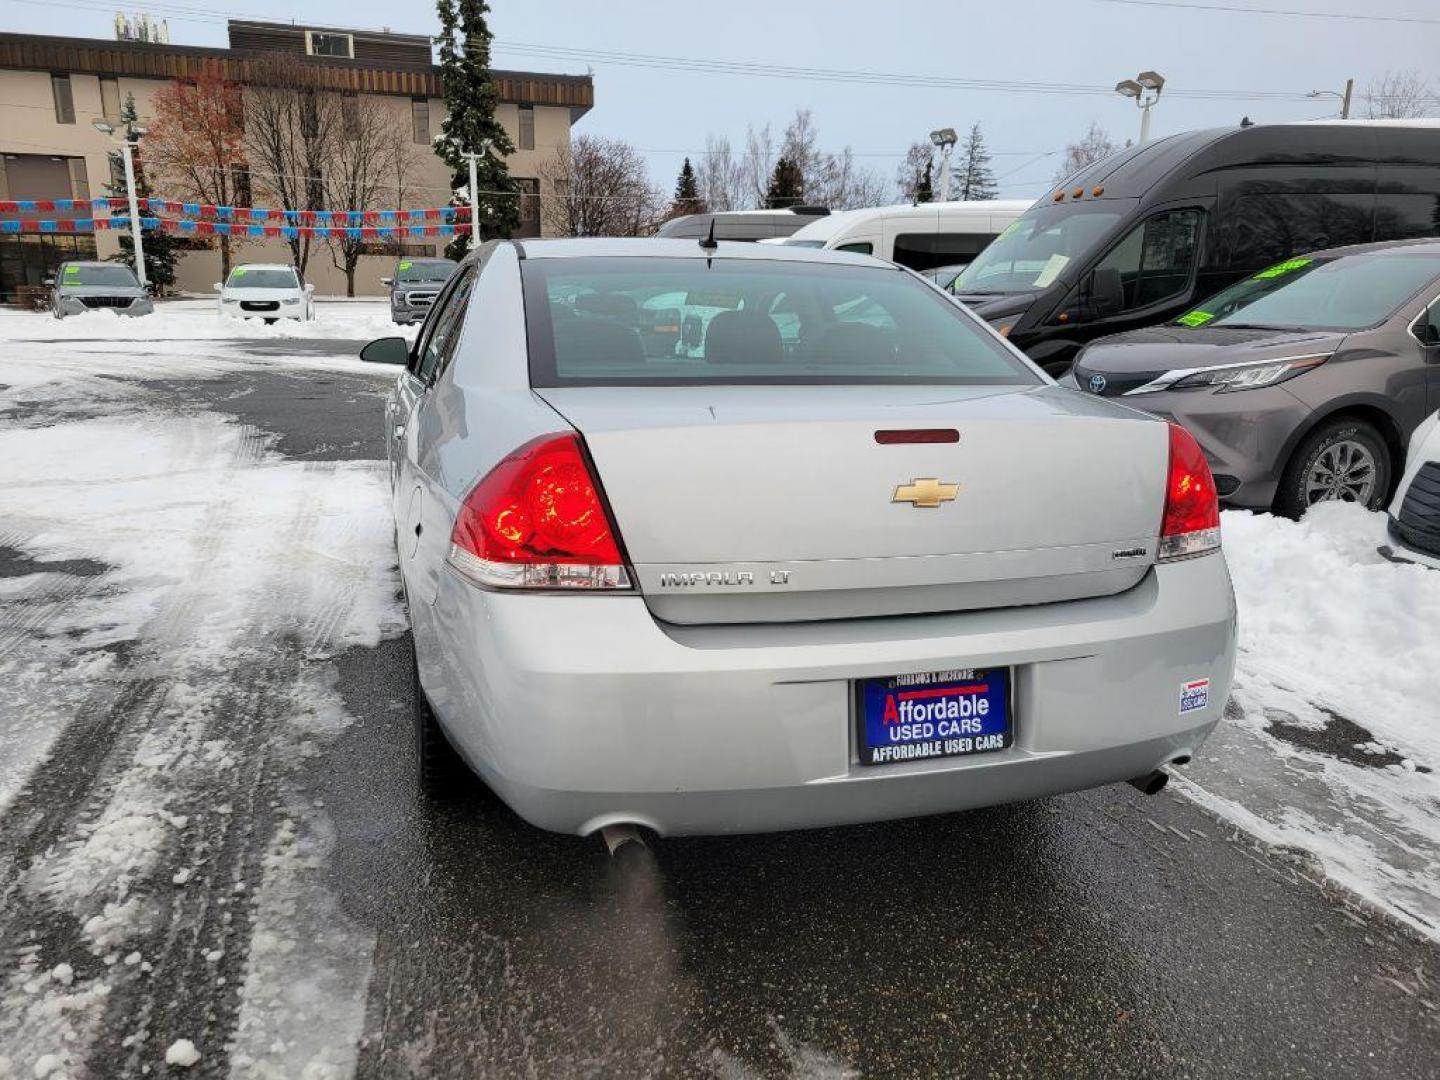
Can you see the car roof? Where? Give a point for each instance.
(264, 266)
(1425, 245)
(657, 247)
(823, 228)
(92, 262)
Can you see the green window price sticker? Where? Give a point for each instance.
(1195, 318)
(1289, 266)
(406, 265)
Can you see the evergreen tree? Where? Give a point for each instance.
(975, 179)
(161, 248)
(687, 193)
(471, 95)
(787, 186)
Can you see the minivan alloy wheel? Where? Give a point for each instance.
(1344, 471)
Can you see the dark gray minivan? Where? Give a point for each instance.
(414, 286)
(1302, 383)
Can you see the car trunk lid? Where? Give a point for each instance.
(764, 504)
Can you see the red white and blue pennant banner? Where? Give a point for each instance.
(227, 228)
(205, 212)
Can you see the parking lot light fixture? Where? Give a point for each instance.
(945, 139)
(1144, 90)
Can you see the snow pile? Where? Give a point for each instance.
(199, 320)
(182, 1052)
(1332, 736)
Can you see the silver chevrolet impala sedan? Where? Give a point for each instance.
(722, 538)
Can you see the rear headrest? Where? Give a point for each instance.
(742, 337)
(579, 342)
(854, 343)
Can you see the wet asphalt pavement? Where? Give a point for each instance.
(1102, 934)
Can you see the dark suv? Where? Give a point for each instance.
(414, 287)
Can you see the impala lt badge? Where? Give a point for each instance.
(925, 492)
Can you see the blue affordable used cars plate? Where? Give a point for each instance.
(933, 714)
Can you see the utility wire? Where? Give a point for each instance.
(1289, 12)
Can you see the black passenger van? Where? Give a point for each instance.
(1138, 238)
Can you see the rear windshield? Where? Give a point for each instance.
(667, 322)
(98, 275)
(1349, 292)
(424, 269)
(261, 277)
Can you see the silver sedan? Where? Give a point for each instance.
(730, 538)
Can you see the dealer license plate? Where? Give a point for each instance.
(932, 715)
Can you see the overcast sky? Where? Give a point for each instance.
(1080, 43)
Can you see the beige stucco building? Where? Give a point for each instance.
(52, 89)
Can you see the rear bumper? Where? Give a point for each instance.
(583, 710)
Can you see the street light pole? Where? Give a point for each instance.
(1344, 97)
(127, 150)
(1145, 90)
(945, 139)
(128, 140)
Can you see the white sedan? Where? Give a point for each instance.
(266, 291)
(1415, 512)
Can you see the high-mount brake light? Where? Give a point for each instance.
(1191, 525)
(537, 521)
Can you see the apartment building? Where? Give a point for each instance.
(52, 89)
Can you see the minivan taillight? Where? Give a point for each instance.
(1191, 525)
(537, 521)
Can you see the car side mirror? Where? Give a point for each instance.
(49, 282)
(387, 350)
(218, 286)
(1106, 292)
(387, 282)
(309, 288)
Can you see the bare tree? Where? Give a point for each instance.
(602, 188)
(292, 129)
(722, 178)
(833, 180)
(915, 174)
(362, 169)
(1399, 95)
(758, 166)
(195, 146)
(1095, 144)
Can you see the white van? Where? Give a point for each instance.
(922, 237)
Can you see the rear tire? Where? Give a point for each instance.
(440, 772)
(1342, 460)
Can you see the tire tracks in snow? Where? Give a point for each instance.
(187, 765)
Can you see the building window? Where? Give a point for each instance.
(64, 101)
(350, 113)
(527, 127)
(318, 44)
(529, 206)
(420, 119)
(110, 98)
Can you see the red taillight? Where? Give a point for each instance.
(1191, 525)
(536, 521)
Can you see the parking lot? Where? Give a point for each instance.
(210, 831)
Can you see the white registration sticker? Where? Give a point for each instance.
(1194, 695)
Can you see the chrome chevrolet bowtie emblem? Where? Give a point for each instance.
(925, 491)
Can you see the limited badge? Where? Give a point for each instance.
(1194, 695)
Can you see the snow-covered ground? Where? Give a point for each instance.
(199, 320)
(172, 636)
(172, 551)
